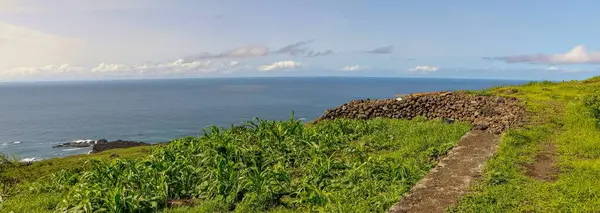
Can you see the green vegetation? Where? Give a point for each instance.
(276, 166)
(562, 115)
(75, 162)
(333, 166)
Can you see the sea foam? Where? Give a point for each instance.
(32, 159)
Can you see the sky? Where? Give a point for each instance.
(147, 39)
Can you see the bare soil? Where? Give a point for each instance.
(544, 168)
(450, 179)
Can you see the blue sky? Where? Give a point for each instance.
(112, 39)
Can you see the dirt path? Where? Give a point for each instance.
(449, 180)
(544, 168)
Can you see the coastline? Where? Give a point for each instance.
(118, 110)
(545, 102)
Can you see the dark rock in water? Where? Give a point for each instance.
(100, 147)
(448, 120)
(80, 143)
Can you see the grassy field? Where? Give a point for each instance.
(562, 115)
(264, 166)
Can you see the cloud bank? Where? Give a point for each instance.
(298, 49)
(179, 66)
(280, 65)
(577, 55)
(240, 52)
(423, 69)
(563, 70)
(381, 50)
(354, 68)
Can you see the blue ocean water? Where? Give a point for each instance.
(36, 116)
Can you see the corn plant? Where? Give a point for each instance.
(262, 165)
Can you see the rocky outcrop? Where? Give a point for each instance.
(100, 147)
(487, 113)
(81, 143)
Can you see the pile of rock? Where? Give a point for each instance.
(492, 114)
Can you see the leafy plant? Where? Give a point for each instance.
(340, 165)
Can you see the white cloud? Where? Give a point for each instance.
(174, 67)
(354, 68)
(280, 65)
(298, 49)
(240, 52)
(577, 55)
(179, 66)
(563, 70)
(48, 69)
(424, 69)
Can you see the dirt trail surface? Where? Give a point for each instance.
(544, 168)
(450, 179)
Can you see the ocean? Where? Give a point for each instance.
(36, 116)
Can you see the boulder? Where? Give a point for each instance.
(448, 120)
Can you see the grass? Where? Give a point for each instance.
(36, 170)
(264, 166)
(563, 114)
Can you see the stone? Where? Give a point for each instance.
(481, 126)
(448, 120)
(494, 114)
(512, 91)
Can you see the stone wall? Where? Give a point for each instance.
(492, 114)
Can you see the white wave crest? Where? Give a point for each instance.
(72, 149)
(32, 159)
(9, 143)
(84, 141)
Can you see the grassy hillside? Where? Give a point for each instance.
(333, 166)
(565, 117)
(284, 166)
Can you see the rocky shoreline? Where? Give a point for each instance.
(488, 113)
(101, 145)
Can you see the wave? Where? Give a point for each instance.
(73, 149)
(9, 143)
(32, 159)
(84, 141)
